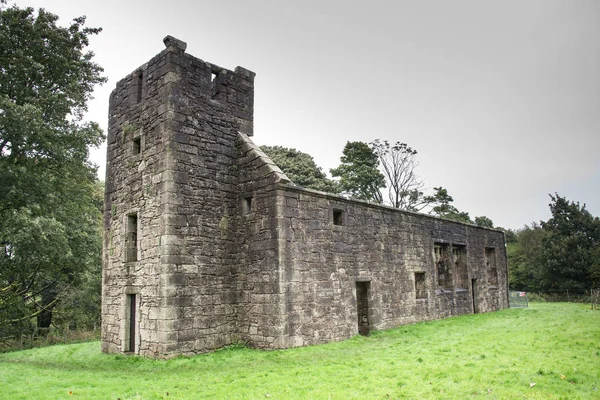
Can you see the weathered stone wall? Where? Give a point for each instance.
(171, 162)
(210, 105)
(322, 263)
(259, 287)
(137, 183)
(208, 243)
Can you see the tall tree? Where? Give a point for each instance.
(48, 220)
(300, 168)
(359, 172)
(570, 246)
(398, 162)
(524, 264)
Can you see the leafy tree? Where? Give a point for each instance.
(48, 218)
(398, 162)
(524, 264)
(442, 207)
(569, 249)
(300, 168)
(509, 234)
(359, 172)
(484, 221)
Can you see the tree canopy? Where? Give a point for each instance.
(300, 168)
(359, 172)
(569, 249)
(398, 162)
(559, 254)
(484, 221)
(441, 206)
(49, 212)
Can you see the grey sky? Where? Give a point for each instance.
(501, 99)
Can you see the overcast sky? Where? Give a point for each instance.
(500, 98)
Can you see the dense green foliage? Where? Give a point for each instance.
(570, 248)
(300, 168)
(359, 172)
(49, 205)
(441, 206)
(548, 351)
(560, 254)
(523, 258)
(484, 221)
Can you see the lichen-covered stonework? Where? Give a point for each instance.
(207, 243)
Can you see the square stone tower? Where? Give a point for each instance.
(169, 278)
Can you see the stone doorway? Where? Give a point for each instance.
(131, 323)
(362, 308)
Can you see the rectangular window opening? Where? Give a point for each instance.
(459, 259)
(420, 287)
(443, 265)
(491, 267)
(137, 146)
(131, 238)
(338, 217)
(247, 205)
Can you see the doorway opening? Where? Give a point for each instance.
(131, 323)
(362, 308)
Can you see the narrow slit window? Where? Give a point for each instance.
(247, 205)
(140, 81)
(214, 87)
(137, 146)
(338, 217)
(131, 238)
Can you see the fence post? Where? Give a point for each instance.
(568, 298)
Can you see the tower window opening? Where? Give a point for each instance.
(338, 217)
(131, 238)
(137, 146)
(140, 81)
(214, 86)
(247, 205)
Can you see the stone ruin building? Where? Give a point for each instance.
(207, 243)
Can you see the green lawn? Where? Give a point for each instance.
(551, 350)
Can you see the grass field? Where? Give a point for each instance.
(549, 351)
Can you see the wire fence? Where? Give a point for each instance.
(521, 299)
(518, 299)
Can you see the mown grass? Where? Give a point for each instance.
(550, 350)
